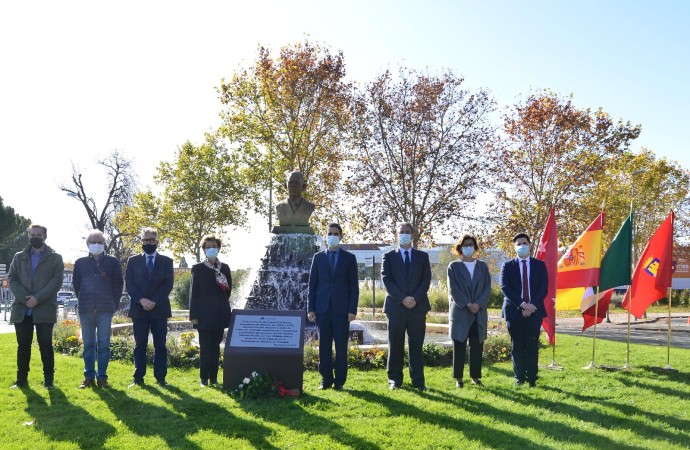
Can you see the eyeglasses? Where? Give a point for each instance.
(149, 241)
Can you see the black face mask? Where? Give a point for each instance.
(149, 248)
(36, 242)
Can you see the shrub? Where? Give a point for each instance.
(497, 348)
(437, 356)
(371, 358)
(66, 337)
(365, 297)
(181, 352)
(438, 297)
(180, 292)
(496, 296)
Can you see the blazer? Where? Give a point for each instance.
(157, 289)
(463, 290)
(511, 285)
(208, 303)
(338, 290)
(400, 285)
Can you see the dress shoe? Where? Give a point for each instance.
(213, 381)
(19, 384)
(393, 386)
(162, 383)
(136, 383)
(337, 387)
(422, 388)
(459, 384)
(103, 383)
(203, 383)
(477, 382)
(86, 383)
(48, 384)
(519, 382)
(323, 386)
(532, 384)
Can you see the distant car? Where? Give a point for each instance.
(71, 304)
(62, 296)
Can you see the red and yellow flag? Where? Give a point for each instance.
(652, 276)
(578, 268)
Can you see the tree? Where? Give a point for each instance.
(286, 114)
(202, 194)
(423, 153)
(553, 154)
(120, 182)
(13, 235)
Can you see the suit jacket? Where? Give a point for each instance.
(400, 285)
(157, 289)
(208, 303)
(338, 290)
(511, 285)
(463, 290)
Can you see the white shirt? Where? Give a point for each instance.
(470, 266)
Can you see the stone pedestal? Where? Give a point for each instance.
(282, 281)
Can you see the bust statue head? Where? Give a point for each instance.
(295, 185)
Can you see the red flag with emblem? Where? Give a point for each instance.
(652, 276)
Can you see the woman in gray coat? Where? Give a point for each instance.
(469, 287)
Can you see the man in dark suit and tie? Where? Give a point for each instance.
(149, 278)
(406, 273)
(333, 298)
(524, 283)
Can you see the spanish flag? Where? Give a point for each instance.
(578, 268)
(652, 276)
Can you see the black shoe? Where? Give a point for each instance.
(203, 383)
(393, 386)
(323, 386)
(162, 383)
(19, 384)
(48, 384)
(213, 381)
(421, 388)
(459, 384)
(338, 387)
(136, 383)
(477, 382)
(519, 382)
(532, 384)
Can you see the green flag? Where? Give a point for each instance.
(616, 264)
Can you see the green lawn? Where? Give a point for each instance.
(573, 408)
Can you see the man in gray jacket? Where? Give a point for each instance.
(36, 275)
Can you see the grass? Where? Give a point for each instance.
(573, 408)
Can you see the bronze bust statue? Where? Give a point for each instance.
(294, 212)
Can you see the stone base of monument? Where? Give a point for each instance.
(282, 280)
(267, 342)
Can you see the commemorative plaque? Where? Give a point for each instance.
(265, 341)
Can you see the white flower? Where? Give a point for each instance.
(246, 381)
(241, 385)
(255, 374)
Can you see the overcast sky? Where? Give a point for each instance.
(80, 78)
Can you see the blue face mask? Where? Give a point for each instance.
(404, 239)
(468, 250)
(211, 252)
(522, 250)
(333, 241)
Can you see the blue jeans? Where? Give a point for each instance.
(95, 332)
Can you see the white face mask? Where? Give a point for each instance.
(404, 239)
(333, 241)
(468, 250)
(522, 250)
(96, 249)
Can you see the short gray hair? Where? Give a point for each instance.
(149, 230)
(93, 233)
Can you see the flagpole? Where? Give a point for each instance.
(668, 345)
(554, 365)
(627, 365)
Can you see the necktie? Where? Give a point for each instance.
(331, 258)
(149, 265)
(407, 262)
(525, 283)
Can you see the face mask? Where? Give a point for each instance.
(468, 250)
(333, 241)
(36, 242)
(149, 249)
(404, 239)
(522, 251)
(96, 249)
(211, 252)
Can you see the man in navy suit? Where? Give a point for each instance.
(149, 278)
(333, 298)
(406, 273)
(524, 283)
